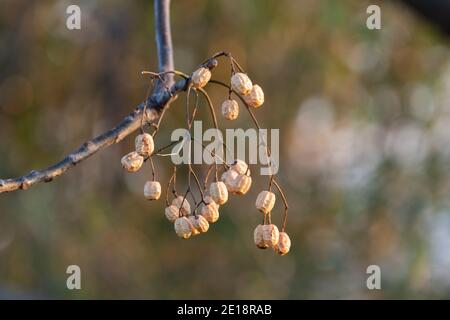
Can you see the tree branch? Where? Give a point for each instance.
(162, 96)
(164, 39)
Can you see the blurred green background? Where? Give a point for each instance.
(365, 155)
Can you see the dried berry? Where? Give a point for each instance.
(210, 211)
(210, 201)
(199, 222)
(255, 98)
(152, 190)
(172, 213)
(229, 178)
(258, 237)
(270, 235)
(181, 202)
(284, 244)
(230, 109)
(183, 227)
(144, 144)
(194, 230)
(240, 167)
(265, 201)
(218, 192)
(242, 184)
(241, 83)
(201, 77)
(132, 162)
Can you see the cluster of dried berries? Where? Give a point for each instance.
(237, 178)
(267, 235)
(132, 162)
(193, 218)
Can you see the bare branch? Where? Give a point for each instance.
(163, 95)
(164, 39)
(127, 126)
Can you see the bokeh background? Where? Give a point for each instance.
(365, 151)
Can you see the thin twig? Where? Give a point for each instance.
(174, 188)
(197, 182)
(194, 112)
(214, 118)
(208, 173)
(286, 206)
(149, 91)
(153, 168)
(168, 185)
(180, 214)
